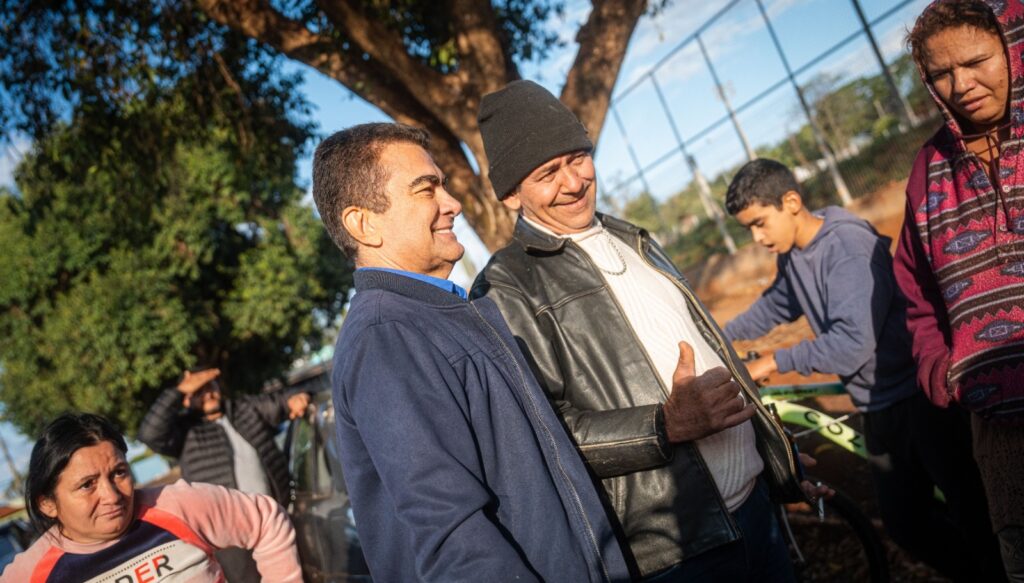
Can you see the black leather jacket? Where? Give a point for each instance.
(588, 358)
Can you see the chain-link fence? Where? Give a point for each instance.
(845, 118)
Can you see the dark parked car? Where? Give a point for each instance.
(324, 526)
(15, 536)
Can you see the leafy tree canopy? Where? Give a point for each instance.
(426, 64)
(157, 225)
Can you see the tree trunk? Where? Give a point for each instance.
(370, 62)
(603, 41)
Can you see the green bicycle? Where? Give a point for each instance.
(833, 540)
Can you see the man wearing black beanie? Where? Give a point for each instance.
(658, 403)
(523, 126)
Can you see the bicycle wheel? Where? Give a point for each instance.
(843, 547)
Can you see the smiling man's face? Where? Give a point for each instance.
(560, 194)
(416, 230)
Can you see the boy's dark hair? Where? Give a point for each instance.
(50, 455)
(760, 181)
(950, 14)
(346, 173)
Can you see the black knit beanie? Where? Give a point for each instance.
(524, 126)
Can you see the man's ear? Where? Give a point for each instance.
(359, 222)
(792, 202)
(512, 200)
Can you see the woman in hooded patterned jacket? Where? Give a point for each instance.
(960, 260)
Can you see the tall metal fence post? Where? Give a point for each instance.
(725, 100)
(629, 148)
(711, 208)
(819, 137)
(898, 100)
(705, 189)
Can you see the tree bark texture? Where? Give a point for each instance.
(371, 60)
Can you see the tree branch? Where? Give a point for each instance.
(603, 42)
(482, 55)
(377, 85)
(441, 94)
(256, 19)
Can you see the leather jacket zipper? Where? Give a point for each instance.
(622, 312)
(661, 383)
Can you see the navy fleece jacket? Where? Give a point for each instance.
(457, 466)
(843, 282)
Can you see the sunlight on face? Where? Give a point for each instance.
(416, 230)
(772, 228)
(93, 499)
(967, 67)
(560, 194)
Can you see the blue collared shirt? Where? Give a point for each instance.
(446, 285)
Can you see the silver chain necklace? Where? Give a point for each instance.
(611, 241)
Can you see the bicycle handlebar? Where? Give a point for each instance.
(793, 392)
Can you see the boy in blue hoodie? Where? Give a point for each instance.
(835, 269)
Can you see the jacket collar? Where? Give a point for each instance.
(368, 279)
(534, 240)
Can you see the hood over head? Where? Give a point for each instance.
(837, 217)
(1010, 19)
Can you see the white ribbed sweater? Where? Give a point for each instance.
(659, 315)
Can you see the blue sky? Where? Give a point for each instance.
(738, 45)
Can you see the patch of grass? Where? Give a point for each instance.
(878, 164)
(703, 241)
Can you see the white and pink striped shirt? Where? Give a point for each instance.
(176, 530)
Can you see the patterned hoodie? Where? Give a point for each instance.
(960, 260)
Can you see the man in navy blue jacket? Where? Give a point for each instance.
(457, 466)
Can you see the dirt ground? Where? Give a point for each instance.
(728, 285)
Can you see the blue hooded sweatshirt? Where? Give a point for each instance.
(843, 282)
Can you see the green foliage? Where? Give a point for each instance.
(883, 161)
(842, 110)
(158, 228)
(427, 30)
(796, 149)
(644, 212)
(116, 57)
(121, 274)
(519, 19)
(846, 109)
(695, 246)
(99, 54)
(908, 79)
(885, 126)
